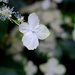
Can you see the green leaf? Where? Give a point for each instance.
(6, 71)
(7, 62)
(68, 47)
(3, 28)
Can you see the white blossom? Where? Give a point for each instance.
(5, 1)
(52, 67)
(33, 31)
(30, 68)
(19, 17)
(6, 12)
(46, 4)
(17, 57)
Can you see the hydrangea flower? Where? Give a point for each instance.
(6, 12)
(30, 68)
(17, 57)
(33, 31)
(46, 4)
(5, 1)
(19, 17)
(52, 67)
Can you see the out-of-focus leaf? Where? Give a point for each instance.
(17, 4)
(3, 28)
(6, 61)
(68, 28)
(69, 47)
(6, 71)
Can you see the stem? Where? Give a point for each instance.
(15, 21)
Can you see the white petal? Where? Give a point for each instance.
(33, 20)
(46, 4)
(30, 68)
(43, 67)
(24, 27)
(42, 32)
(52, 62)
(30, 40)
(49, 73)
(60, 69)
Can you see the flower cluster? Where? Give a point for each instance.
(5, 1)
(32, 30)
(19, 17)
(53, 68)
(35, 30)
(6, 12)
(30, 68)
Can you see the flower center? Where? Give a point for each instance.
(32, 31)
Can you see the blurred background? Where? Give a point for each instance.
(55, 55)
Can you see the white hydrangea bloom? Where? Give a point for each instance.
(46, 4)
(53, 68)
(30, 68)
(19, 17)
(5, 1)
(6, 12)
(33, 31)
(17, 57)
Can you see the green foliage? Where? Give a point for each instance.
(6, 71)
(9, 66)
(68, 47)
(3, 28)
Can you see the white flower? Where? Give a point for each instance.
(6, 12)
(30, 68)
(19, 17)
(5, 1)
(33, 31)
(46, 4)
(53, 68)
(17, 57)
